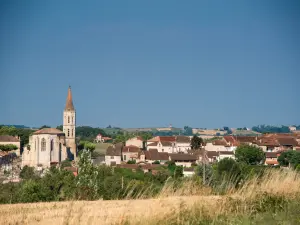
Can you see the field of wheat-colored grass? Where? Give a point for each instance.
(166, 208)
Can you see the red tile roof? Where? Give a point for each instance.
(7, 138)
(49, 131)
(130, 148)
(153, 154)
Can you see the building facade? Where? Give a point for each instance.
(50, 146)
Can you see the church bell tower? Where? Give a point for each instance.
(69, 124)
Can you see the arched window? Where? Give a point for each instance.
(68, 132)
(68, 119)
(43, 145)
(51, 145)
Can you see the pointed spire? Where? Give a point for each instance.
(69, 102)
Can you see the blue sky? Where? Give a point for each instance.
(151, 63)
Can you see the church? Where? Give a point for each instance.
(50, 146)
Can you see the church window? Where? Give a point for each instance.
(68, 119)
(68, 132)
(43, 145)
(51, 145)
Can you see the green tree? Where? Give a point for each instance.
(228, 166)
(44, 126)
(196, 142)
(87, 177)
(33, 191)
(249, 154)
(285, 158)
(28, 173)
(65, 163)
(131, 162)
(8, 147)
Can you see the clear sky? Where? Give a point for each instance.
(151, 63)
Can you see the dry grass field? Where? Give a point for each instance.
(93, 212)
(184, 206)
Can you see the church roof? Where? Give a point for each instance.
(49, 131)
(69, 102)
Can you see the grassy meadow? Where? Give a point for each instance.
(101, 148)
(271, 199)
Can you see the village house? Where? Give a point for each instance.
(271, 158)
(162, 144)
(130, 153)
(153, 155)
(101, 138)
(170, 144)
(227, 143)
(14, 140)
(182, 144)
(185, 160)
(136, 141)
(113, 155)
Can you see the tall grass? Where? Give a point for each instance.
(273, 198)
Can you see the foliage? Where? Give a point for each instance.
(228, 166)
(44, 126)
(175, 171)
(8, 147)
(156, 162)
(88, 133)
(87, 176)
(86, 145)
(28, 173)
(271, 129)
(188, 131)
(196, 142)
(249, 154)
(290, 157)
(131, 162)
(65, 163)
(285, 158)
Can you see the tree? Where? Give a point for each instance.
(86, 145)
(196, 142)
(249, 154)
(8, 147)
(45, 126)
(188, 130)
(229, 167)
(28, 173)
(87, 177)
(285, 158)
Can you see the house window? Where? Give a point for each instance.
(43, 145)
(51, 145)
(68, 132)
(124, 156)
(112, 157)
